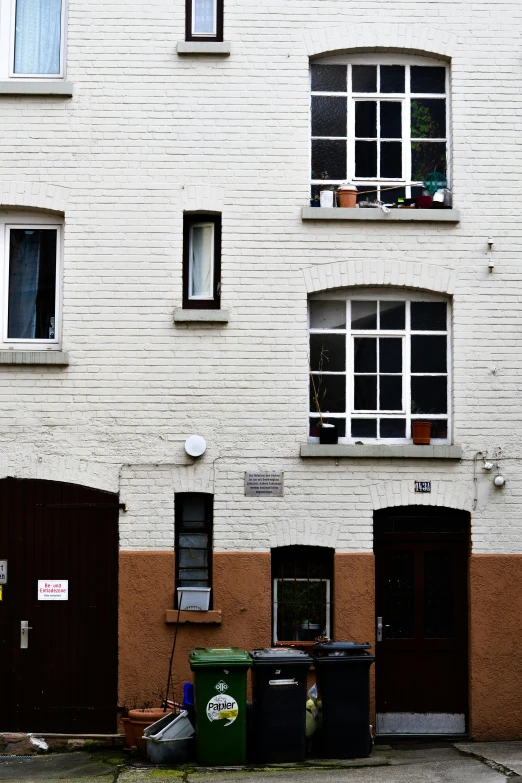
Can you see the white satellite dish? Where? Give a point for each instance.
(195, 446)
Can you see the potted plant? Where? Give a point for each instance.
(137, 719)
(328, 432)
(421, 432)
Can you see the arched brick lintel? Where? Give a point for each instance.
(445, 494)
(411, 39)
(33, 195)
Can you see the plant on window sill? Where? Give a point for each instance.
(328, 433)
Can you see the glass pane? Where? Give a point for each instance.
(364, 428)
(439, 427)
(365, 354)
(193, 558)
(203, 21)
(429, 394)
(427, 78)
(391, 159)
(339, 423)
(428, 316)
(428, 118)
(302, 609)
(393, 428)
(37, 36)
(331, 390)
(32, 284)
(366, 119)
(427, 157)
(197, 577)
(328, 159)
(328, 315)
(329, 78)
(438, 595)
(201, 261)
(428, 353)
(391, 120)
(364, 78)
(328, 352)
(193, 508)
(364, 315)
(365, 392)
(365, 158)
(328, 116)
(392, 78)
(390, 354)
(390, 392)
(390, 196)
(392, 315)
(195, 540)
(399, 595)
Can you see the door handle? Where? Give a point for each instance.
(380, 626)
(24, 634)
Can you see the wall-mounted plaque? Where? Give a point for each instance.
(264, 484)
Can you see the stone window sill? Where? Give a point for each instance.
(368, 213)
(56, 358)
(222, 48)
(16, 87)
(380, 451)
(212, 617)
(200, 316)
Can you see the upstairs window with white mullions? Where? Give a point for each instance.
(204, 20)
(32, 34)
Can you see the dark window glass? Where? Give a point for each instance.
(364, 78)
(391, 120)
(339, 423)
(365, 354)
(32, 284)
(364, 315)
(364, 428)
(328, 159)
(439, 427)
(328, 352)
(390, 392)
(438, 595)
(391, 159)
(427, 157)
(427, 78)
(327, 315)
(366, 119)
(428, 316)
(365, 158)
(331, 390)
(393, 315)
(392, 78)
(328, 116)
(329, 78)
(193, 540)
(429, 394)
(428, 353)
(389, 196)
(365, 392)
(390, 354)
(400, 595)
(393, 428)
(428, 118)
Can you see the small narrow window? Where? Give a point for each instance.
(193, 539)
(204, 20)
(202, 261)
(38, 38)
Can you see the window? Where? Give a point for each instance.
(31, 255)
(380, 122)
(301, 583)
(193, 541)
(380, 360)
(204, 20)
(201, 260)
(32, 34)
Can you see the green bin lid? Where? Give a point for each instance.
(219, 656)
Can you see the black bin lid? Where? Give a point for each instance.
(280, 655)
(340, 649)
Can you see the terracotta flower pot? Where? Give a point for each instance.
(421, 432)
(346, 196)
(137, 721)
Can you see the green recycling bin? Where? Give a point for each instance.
(220, 675)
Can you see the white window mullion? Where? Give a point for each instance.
(407, 372)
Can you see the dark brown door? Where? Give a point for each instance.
(421, 558)
(65, 680)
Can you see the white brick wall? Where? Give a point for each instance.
(149, 134)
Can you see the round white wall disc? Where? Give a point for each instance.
(195, 445)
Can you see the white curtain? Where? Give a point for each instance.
(37, 36)
(201, 261)
(24, 274)
(203, 17)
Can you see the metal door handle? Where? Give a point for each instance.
(24, 634)
(380, 626)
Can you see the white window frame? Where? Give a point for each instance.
(7, 44)
(202, 224)
(300, 579)
(214, 21)
(379, 294)
(404, 98)
(23, 220)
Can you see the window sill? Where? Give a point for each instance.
(15, 87)
(369, 213)
(56, 358)
(211, 617)
(222, 48)
(380, 451)
(188, 316)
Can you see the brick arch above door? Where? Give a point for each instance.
(449, 493)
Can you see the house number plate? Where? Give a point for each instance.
(423, 486)
(3, 572)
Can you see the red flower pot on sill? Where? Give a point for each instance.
(421, 432)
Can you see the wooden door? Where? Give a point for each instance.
(65, 681)
(421, 665)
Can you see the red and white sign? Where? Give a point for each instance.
(53, 589)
